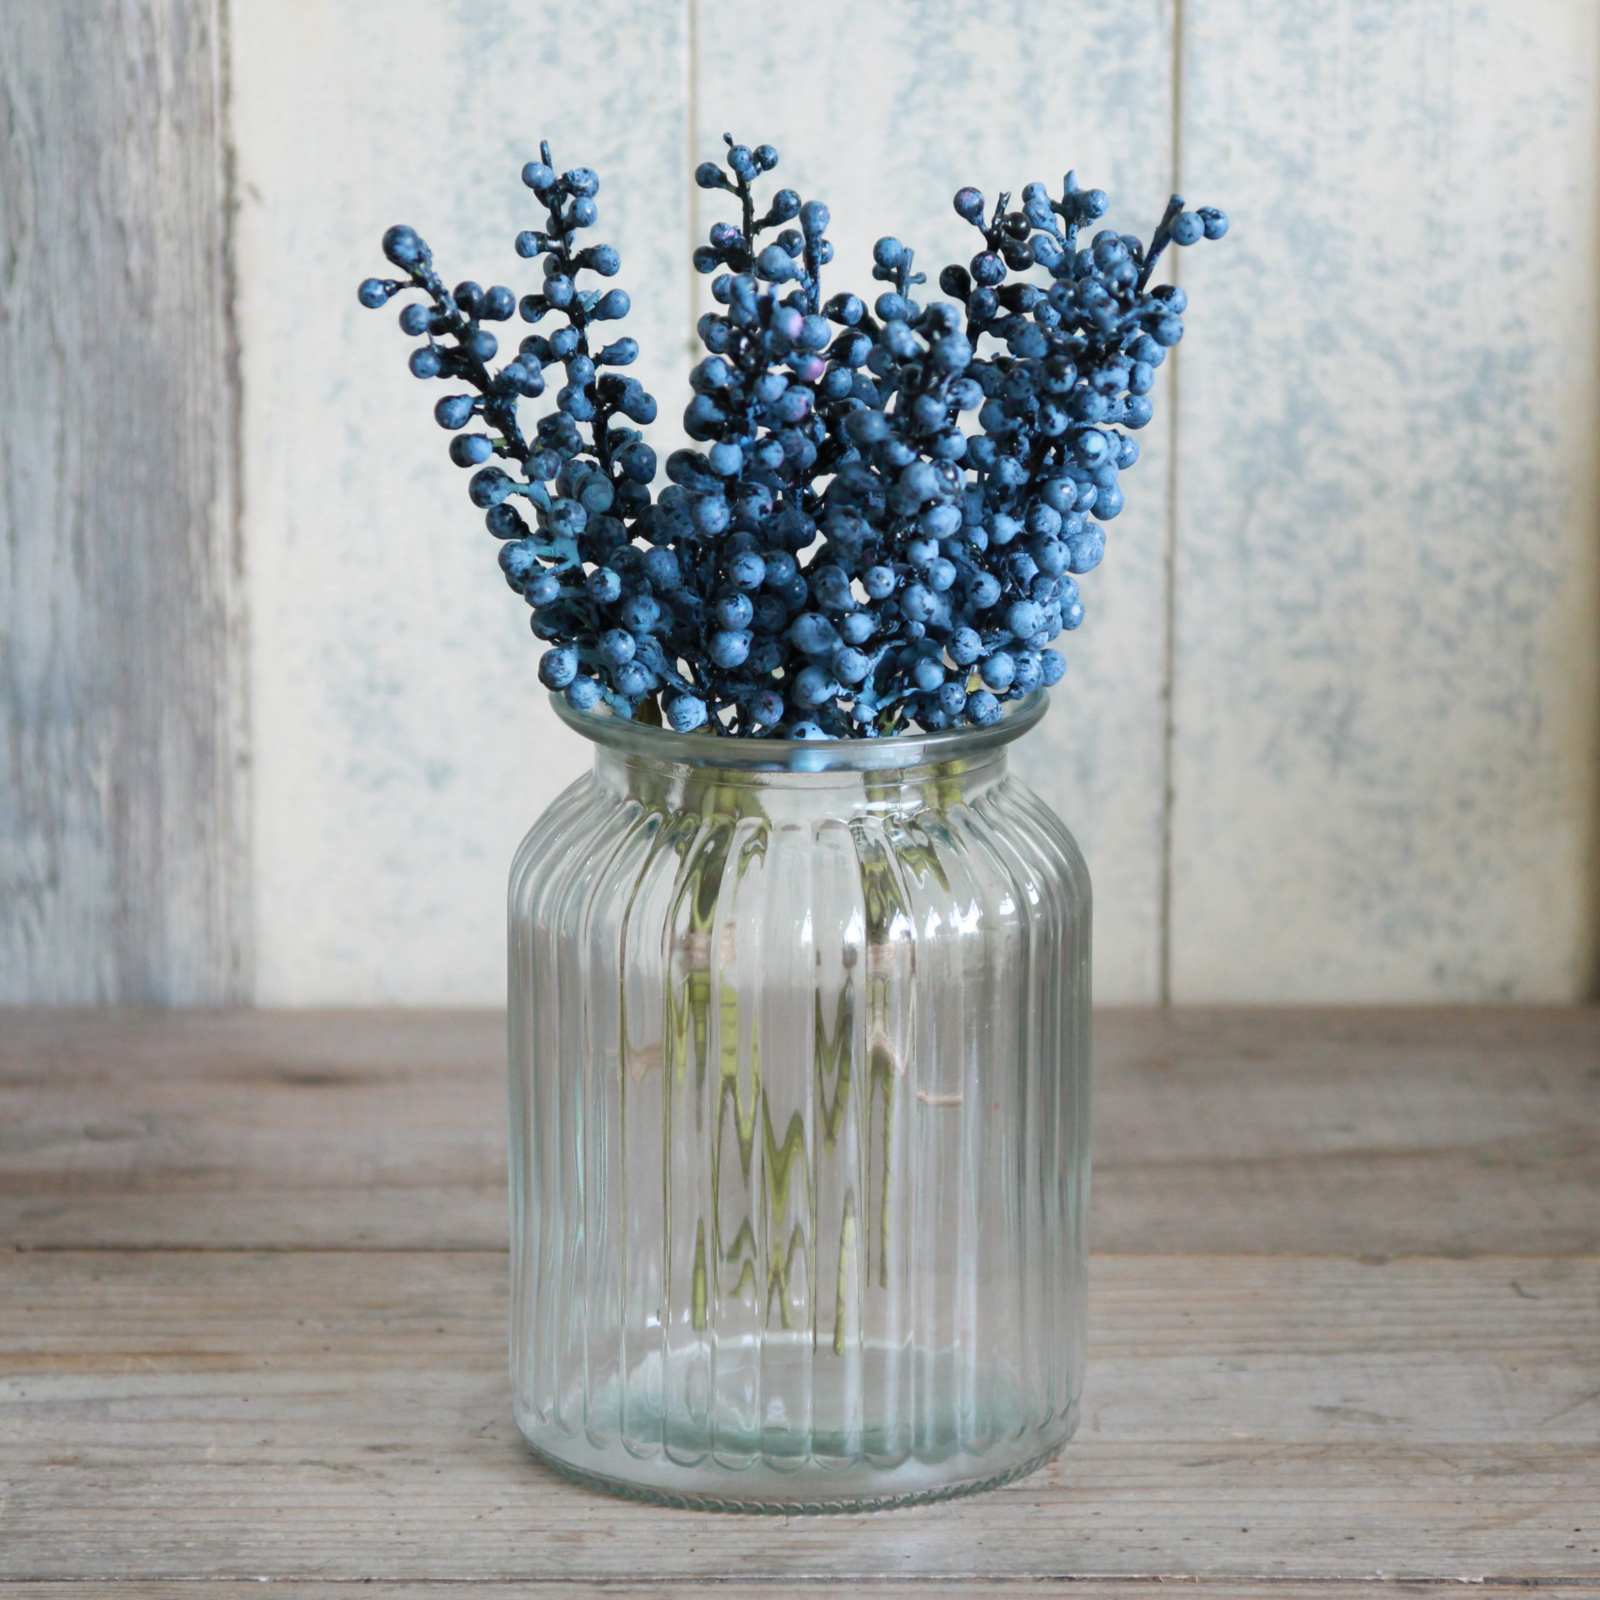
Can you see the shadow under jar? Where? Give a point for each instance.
(799, 1119)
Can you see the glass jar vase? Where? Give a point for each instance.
(799, 1119)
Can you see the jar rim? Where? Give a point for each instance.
(899, 750)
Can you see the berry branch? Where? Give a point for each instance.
(883, 513)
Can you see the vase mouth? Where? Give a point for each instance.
(898, 751)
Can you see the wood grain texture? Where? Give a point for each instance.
(915, 102)
(1362, 1133)
(1077, 1588)
(300, 1415)
(1353, 1343)
(406, 744)
(124, 816)
(1387, 759)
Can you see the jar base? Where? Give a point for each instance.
(805, 1490)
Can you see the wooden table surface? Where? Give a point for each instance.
(1345, 1325)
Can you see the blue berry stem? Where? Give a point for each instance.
(1160, 238)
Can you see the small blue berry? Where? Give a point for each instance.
(454, 411)
(404, 247)
(850, 665)
(918, 603)
(583, 694)
(813, 687)
(685, 712)
(470, 449)
(640, 613)
(426, 362)
(519, 561)
(489, 486)
(558, 667)
(1187, 228)
(729, 648)
(617, 647)
(747, 571)
(983, 709)
(964, 646)
(889, 254)
(504, 521)
(813, 219)
(987, 269)
(998, 670)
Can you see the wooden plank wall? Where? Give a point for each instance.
(1388, 562)
(940, 106)
(124, 785)
(406, 743)
(1332, 730)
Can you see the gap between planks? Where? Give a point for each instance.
(1351, 1257)
(1134, 1588)
(735, 1589)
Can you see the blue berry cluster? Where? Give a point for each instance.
(886, 508)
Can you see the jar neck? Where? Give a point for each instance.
(783, 778)
(712, 789)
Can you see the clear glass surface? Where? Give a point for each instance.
(799, 1119)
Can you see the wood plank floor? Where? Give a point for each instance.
(1345, 1324)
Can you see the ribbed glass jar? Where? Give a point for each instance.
(799, 1119)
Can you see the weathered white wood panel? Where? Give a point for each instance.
(1387, 556)
(123, 801)
(1386, 743)
(904, 106)
(405, 742)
